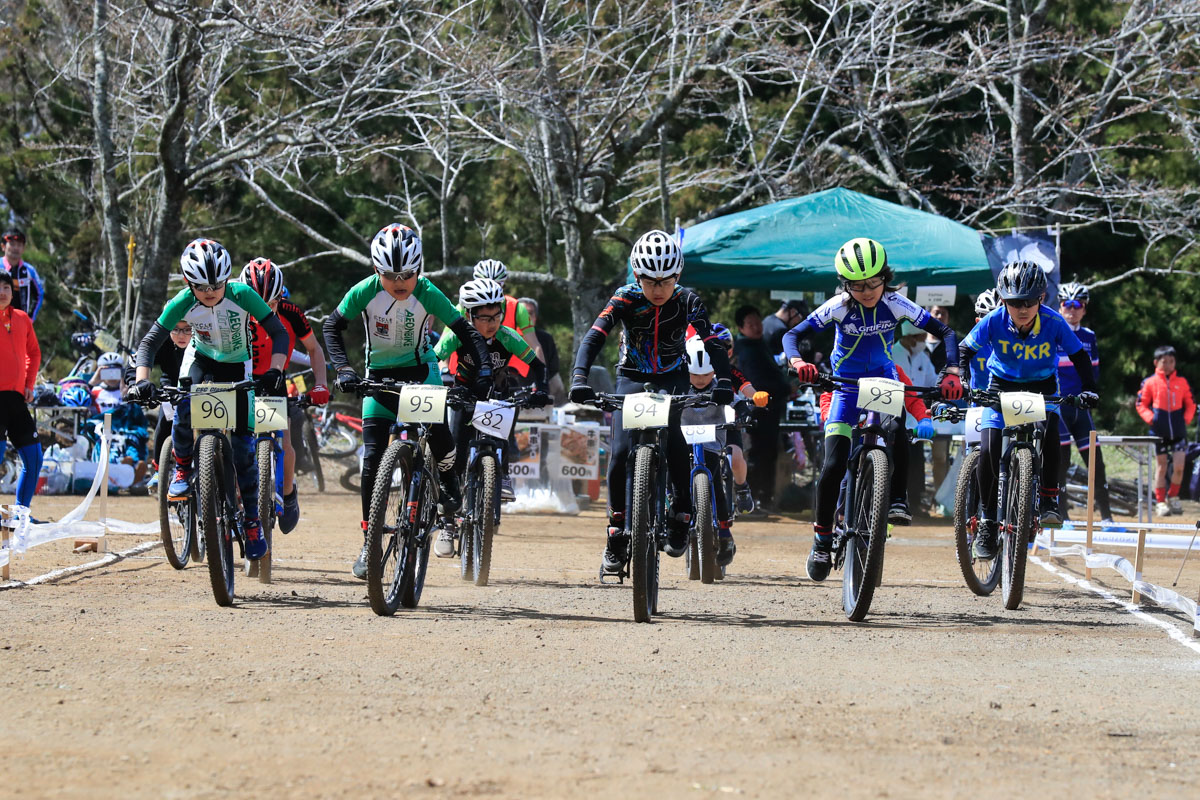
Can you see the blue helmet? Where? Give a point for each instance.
(75, 395)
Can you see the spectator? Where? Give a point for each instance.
(912, 358)
(549, 350)
(27, 285)
(756, 363)
(1165, 403)
(130, 431)
(20, 358)
(939, 447)
(787, 317)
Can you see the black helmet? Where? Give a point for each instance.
(1021, 280)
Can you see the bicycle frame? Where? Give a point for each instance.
(868, 435)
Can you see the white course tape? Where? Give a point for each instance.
(1127, 538)
(111, 558)
(1172, 631)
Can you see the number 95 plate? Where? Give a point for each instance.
(422, 403)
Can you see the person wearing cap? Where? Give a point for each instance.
(788, 316)
(20, 358)
(27, 284)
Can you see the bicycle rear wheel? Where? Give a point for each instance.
(385, 529)
(486, 513)
(1018, 523)
(173, 521)
(337, 439)
(706, 531)
(864, 546)
(643, 566)
(418, 543)
(980, 576)
(215, 521)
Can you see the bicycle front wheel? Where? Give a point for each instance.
(266, 503)
(1018, 525)
(863, 564)
(418, 542)
(385, 529)
(980, 576)
(337, 439)
(486, 514)
(216, 523)
(706, 531)
(643, 566)
(173, 522)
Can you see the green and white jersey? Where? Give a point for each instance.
(398, 330)
(224, 332)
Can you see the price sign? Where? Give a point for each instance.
(420, 402)
(974, 429)
(645, 410)
(935, 295)
(493, 419)
(881, 394)
(1022, 408)
(214, 407)
(270, 414)
(699, 434)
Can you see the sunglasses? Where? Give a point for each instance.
(864, 286)
(1023, 303)
(1072, 304)
(397, 276)
(207, 287)
(487, 317)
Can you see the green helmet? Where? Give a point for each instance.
(860, 259)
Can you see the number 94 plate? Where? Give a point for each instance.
(645, 410)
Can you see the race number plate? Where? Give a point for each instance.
(699, 434)
(422, 403)
(214, 407)
(1022, 408)
(883, 395)
(645, 410)
(974, 428)
(270, 414)
(494, 419)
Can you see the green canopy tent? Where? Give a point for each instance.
(790, 245)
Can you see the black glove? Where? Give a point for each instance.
(140, 392)
(270, 383)
(539, 399)
(347, 380)
(1088, 399)
(722, 393)
(581, 392)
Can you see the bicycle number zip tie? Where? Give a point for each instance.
(645, 410)
(1022, 408)
(214, 406)
(421, 402)
(883, 395)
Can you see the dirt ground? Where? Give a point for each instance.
(129, 681)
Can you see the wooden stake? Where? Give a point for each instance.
(1138, 560)
(99, 544)
(1091, 498)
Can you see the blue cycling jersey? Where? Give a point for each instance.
(1028, 358)
(979, 372)
(1068, 377)
(863, 342)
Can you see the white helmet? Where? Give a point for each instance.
(397, 249)
(110, 360)
(205, 262)
(491, 268)
(698, 360)
(656, 255)
(480, 292)
(987, 302)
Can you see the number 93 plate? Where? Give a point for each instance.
(421, 402)
(214, 406)
(882, 395)
(645, 410)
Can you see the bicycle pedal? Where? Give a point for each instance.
(614, 579)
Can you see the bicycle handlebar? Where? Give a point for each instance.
(615, 402)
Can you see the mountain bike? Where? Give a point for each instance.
(648, 416)
(402, 524)
(271, 424)
(480, 518)
(860, 522)
(338, 429)
(981, 576)
(1018, 520)
(701, 557)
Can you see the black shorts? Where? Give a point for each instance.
(15, 420)
(1176, 445)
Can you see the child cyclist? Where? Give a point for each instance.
(1165, 402)
(398, 306)
(703, 378)
(1076, 423)
(1025, 337)
(866, 314)
(482, 300)
(266, 280)
(222, 316)
(656, 313)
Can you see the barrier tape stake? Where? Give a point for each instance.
(1137, 565)
(5, 543)
(99, 544)
(1091, 496)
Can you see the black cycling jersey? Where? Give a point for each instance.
(654, 337)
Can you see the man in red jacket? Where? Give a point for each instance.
(20, 358)
(1165, 403)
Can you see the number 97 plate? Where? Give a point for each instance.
(645, 410)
